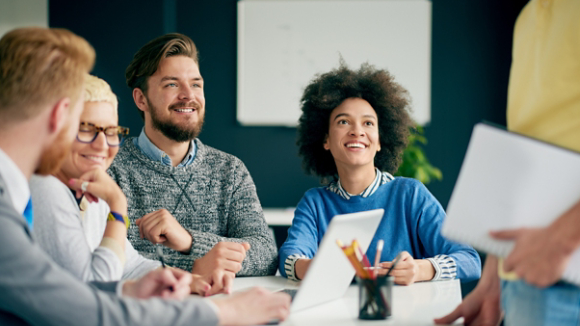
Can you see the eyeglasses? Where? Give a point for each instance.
(88, 132)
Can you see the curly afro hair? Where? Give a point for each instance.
(327, 91)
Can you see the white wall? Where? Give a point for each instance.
(21, 13)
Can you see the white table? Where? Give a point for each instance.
(417, 304)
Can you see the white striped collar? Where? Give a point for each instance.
(380, 179)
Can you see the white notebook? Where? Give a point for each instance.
(509, 181)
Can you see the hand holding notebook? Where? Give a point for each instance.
(509, 181)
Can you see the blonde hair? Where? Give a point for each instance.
(97, 90)
(39, 66)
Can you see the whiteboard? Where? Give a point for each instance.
(282, 45)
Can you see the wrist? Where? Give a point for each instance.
(224, 313)
(128, 288)
(489, 280)
(300, 268)
(116, 217)
(117, 202)
(565, 231)
(426, 270)
(185, 244)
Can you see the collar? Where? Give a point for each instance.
(380, 179)
(155, 154)
(16, 183)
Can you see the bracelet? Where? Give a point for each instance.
(113, 216)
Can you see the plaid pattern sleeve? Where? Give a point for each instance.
(289, 266)
(445, 268)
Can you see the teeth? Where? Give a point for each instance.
(355, 145)
(95, 158)
(184, 110)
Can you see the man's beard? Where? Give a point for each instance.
(52, 157)
(174, 132)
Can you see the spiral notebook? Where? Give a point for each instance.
(508, 181)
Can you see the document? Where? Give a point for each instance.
(508, 181)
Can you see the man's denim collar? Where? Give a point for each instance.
(155, 154)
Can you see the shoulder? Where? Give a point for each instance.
(125, 154)
(217, 160)
(47, 186)
(212, 154)
(315, 195)
(408, 188)
(407, 184)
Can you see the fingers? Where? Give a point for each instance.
(147, 223)
(176, 283)
(246, 246)
(77, 185)
(450, 318)
(181, 275)
(276, 305)
(200, 286)
(405, 256)
(222, 282)
(505, 234)
(228, 282)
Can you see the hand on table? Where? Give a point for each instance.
(408, 270)
(219, 281)
(481, 307)
(224, 256)
(253, 307)
(168, 283)
(161, 227)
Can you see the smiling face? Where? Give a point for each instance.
(353, 135)
(175, 102)
(84, 157)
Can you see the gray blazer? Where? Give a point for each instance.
(36, 291)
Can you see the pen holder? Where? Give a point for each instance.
(375, 297)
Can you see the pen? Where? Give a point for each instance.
(162, 260)
(160, 255)
(394, 264)
(380, 245)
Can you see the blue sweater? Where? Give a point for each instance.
(412, 222)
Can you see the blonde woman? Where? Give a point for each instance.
(86, 233)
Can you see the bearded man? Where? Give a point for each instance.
(194, 199)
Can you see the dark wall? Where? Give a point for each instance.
(470, 68)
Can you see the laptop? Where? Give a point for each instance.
(330, 273)
(508, 181)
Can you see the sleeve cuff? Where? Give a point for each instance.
(115, 247)
(445, 267)
(119, 289)
(289, 264)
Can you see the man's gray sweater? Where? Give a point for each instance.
(214, 199)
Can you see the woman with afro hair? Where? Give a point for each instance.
(352, 132)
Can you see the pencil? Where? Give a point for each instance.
(380, 245)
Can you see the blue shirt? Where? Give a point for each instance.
(412, 222)
(155, 154)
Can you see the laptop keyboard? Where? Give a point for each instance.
(290, 292)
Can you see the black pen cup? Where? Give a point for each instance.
(375, 297)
